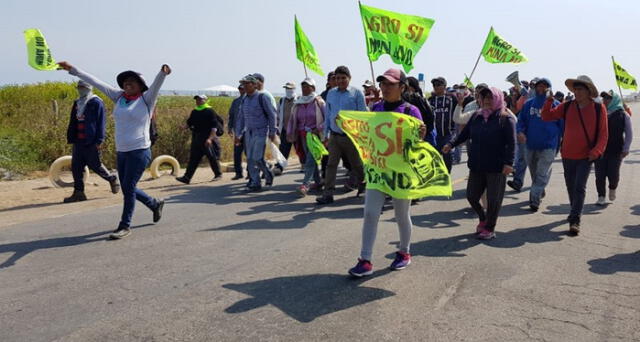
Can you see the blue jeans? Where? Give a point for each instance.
(576, 175)
(255, 144)
(539, 163)
(520, 167)
(131, 166)
(310, 166)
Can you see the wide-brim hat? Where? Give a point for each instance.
(586, 80)
(131, 74)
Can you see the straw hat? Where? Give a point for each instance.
(584, 80)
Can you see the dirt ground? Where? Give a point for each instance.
(36, 199)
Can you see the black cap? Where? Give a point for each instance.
(439, 80)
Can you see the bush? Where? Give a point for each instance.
(34, 120)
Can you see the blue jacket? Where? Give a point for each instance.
(492, 142)
(541, 135)
(94, 123)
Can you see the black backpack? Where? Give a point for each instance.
(219, 125)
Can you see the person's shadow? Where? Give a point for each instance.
(632, 231)
(305, 298)
(20, 249)
(629, 262)
(454, 246)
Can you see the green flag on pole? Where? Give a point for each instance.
(623, 78)
(305, 51)
(38, 51)
(398, 35)
(498, 50)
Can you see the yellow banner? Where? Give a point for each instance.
(38, 51)
(396, 161)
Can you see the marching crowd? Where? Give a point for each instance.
(504, 133)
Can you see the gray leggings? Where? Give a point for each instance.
(374, 200)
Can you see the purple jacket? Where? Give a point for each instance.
(404, 108)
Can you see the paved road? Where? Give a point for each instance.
(226, 266)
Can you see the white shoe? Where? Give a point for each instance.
(612, 195)
(601, 201)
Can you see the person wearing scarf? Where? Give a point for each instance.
(307, 117)
(491, 154)
(133, 106)
(392, 85)
(204, 123)
(285, 106)
(618, 145)
(86, 132)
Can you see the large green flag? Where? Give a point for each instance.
(396, 161)
(305, 51)
(623, 78)
(398, 35)
(38, 51)
(498, 50)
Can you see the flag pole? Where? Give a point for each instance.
(373, 76)
(305, 70)
(615, 75)
(478, 60)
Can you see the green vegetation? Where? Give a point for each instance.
(34, 119)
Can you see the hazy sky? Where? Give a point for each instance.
(217, 42)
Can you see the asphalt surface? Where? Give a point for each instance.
(223, 265)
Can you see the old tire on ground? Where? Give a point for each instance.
(164, 159)
(59, 165)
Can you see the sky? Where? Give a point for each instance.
(216, 42)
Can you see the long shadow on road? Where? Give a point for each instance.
(629, 262)
(305, 298)
(454, 246)
(20, 249)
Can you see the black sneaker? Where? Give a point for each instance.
(77, 196)
(217, 178)
(157, 212)
(236, 177)
(514, 186)
(256, 188)
(534, 208)
(325, 199)
(183, 179)
(120, 233)
(115, 186)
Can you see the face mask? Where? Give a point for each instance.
(290, 93)
(84, 92)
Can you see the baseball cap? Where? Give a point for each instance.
(259, 77)
(200, 96)
(289, 85)
(393, 75)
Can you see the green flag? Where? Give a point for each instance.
(38, 51)
(305, 51)
(396, 160)
(467, 82)
(498, 50)
(623, 78)
(398, 35)
(315, 147)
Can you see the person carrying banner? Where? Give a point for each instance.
(343, 97)
(618, 145)
(307, 117)
(392, 86)
(86, 131)
(542, 140)
(238, 148)
(584, 140)
(256, 122)
(204, 124)
(443, 107)
(491, 155)
(133, 104)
